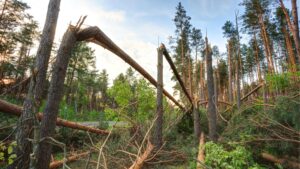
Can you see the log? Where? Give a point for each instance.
(139, 162)
(59, 163)
(201, 150)
(283, 161)
(13, 109)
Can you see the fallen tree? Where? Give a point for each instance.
(139, 162)
(13, 109)
(59, 163)
(283, 161)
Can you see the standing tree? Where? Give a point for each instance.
(37, 86)
(211, 110)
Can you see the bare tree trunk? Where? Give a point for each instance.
(230, 96)
(37, 86)
(293, 27)
(291, 56)
(211, 110)
(196, 122)
(201, 152)
(266, 41)
(159, 102)
(238, 66)
(257, 59)
(54, 97)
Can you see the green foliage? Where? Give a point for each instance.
(286, 111)
(9, 150)
(282, 81)
(239, 157)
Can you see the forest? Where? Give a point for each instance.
(238, 109)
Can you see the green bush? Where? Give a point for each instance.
(239, 157)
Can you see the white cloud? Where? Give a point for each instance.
(113, 24)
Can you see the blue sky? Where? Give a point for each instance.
(136, 26)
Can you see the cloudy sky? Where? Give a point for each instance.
(138, 26)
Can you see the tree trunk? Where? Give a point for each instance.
(159, 102)
(54, 97)
(296, 26)
(211, 110)
(289, 47)
(257, 59)
(37, 86)
(201, 152)
(230, 96)
(266, 41)
(196, 122)
(293, 27)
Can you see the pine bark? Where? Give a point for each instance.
(159, 101)
(266, 41)
(54, 97)
(294, 27)
(37, 86)
(289, 47)
(211, 110)
(230, 93)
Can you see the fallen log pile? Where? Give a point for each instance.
(13, 109)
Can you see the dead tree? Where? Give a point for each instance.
(211, 110)
(37, 86)
(73, 35)
(159, 100)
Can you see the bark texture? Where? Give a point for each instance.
(211, 110)
(54, 97)
(37, 86)
(159, 100)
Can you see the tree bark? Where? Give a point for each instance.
(159, 100)
(230, 96)
(37, 86)
(196, 123)
(55, 96)
(211, 110)
(293, 27)
(201, 152)
(257, 59)
(139, 162)
(291, 56)
(266, 41)
(238, 66)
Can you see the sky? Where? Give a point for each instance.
(138, 26)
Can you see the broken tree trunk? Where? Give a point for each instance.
(59, 163)
(95, 35)
(285, 162)
(211, 110)
(15, 110)
(139, 162)
(27, 123)
(157, 140)
(55, 95)
(201, 150)
(168, 58)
